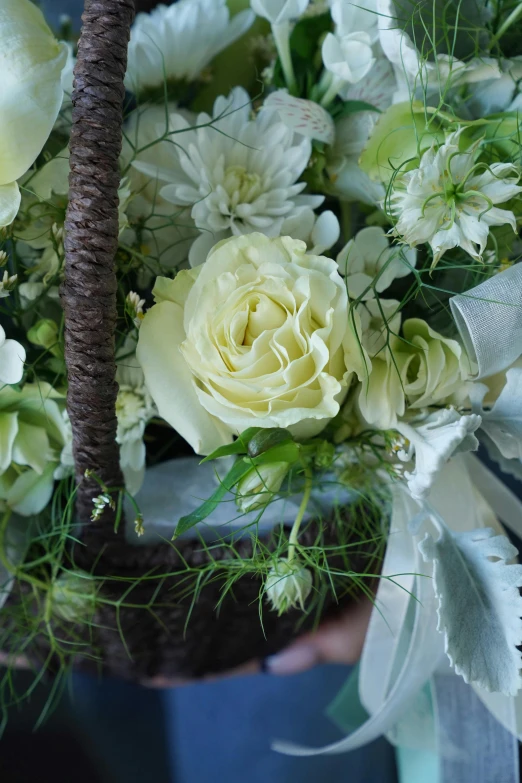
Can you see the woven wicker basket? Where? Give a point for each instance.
(132, 642)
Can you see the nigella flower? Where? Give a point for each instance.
(449, 200)
(237, 175)
(177, 42)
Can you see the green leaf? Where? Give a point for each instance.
(239, 446)
(266, 439)
(285, 452)
(400, 135)
(235, 474)
(351, 107)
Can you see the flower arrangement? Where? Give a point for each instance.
(318, 294)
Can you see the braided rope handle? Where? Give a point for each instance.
(89, 290)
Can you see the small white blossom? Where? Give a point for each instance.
(288, 585)
(7, 284)
(449, 200)
(432, 440)
(100, 503)
(368, 257)
(139, 527)
(380, 322)
(12, 358)
(348, 58)
(135, 308)
(177, 42)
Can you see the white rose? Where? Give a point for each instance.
(259, 335)
(31, 61)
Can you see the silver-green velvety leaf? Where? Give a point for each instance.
(479, 605)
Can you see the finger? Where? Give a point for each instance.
(336, 641)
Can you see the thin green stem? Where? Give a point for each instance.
(506, 24)
(281, 33)
(292, 541)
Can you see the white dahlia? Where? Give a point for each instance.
(176, 42)
(237, 174)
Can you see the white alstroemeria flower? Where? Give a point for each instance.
(279, 11)
(353, 131)
(447, 203)
(303, 116)
(237, 175)
(352, 16)
(12, 358)
(348, 58)
(177, 42)
(134, 409)
(380, 323)
(414, 71)
(31, 61)
(369, 257)
(432, 440)
(320, 232)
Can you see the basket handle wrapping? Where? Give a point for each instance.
(91, 240)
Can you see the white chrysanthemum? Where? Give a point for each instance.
(448, 201)
(368, 257)
(176, 42)
(238, 175)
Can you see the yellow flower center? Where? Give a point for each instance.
(242, 186)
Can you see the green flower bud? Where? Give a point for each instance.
(325, 455)
(288, 586)
(266, 439)
(260, 484)
(73, 596)
(45, 333)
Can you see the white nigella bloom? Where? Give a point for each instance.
(134, 410)
(432, 440)
(237, 175)
(368, 257)
(449, 200)
(12, 358)
(177, 42)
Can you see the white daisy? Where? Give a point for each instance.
(176, 42)
(449, 200)
(236, 174)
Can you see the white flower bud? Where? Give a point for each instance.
(288, 586)
(257, 488)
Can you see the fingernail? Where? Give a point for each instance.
(291, 661)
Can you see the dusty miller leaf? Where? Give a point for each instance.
(479, 605)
